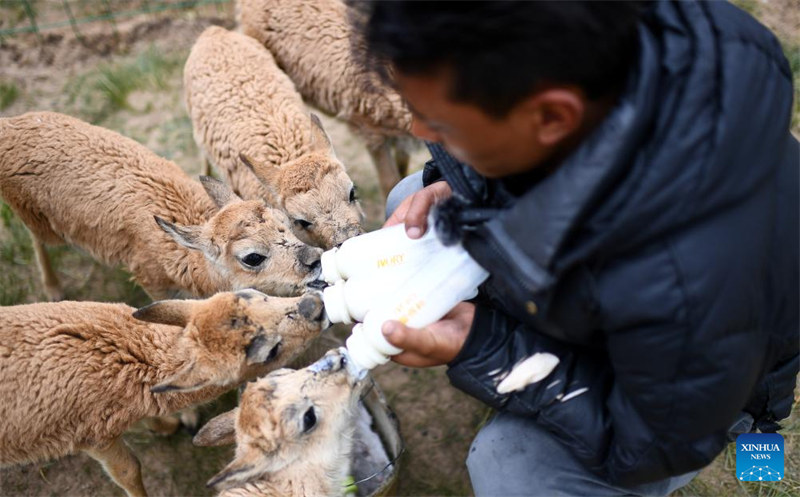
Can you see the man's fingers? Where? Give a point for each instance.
(406, 338)
(413, 211)
(416, 218)
(399, 214)
(422, 347)
(414, 360)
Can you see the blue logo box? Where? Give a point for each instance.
(759, 457)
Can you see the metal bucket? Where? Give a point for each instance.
(386, 425)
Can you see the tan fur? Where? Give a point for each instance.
(75, 375)
(274, 456)
(74, 183)
(242, 104)
(311, 41)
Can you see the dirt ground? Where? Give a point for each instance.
(87, 79)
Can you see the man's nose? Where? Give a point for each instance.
(420, 130)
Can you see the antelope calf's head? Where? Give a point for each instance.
(234, 336)
(249, 244)
(315, 192)
(289, 418)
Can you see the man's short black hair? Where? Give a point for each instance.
(499, 52)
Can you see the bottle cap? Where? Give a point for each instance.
(330, 273)
(335, 304)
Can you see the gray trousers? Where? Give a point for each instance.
(514, 456)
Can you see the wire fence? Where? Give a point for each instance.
(39, 16)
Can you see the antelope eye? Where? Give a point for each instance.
(353, 195)
(309, 419)
(302, 223)
(253, 259)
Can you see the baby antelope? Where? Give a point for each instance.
(293, 432)
(248, 118)
(71, 182)
(75, 375)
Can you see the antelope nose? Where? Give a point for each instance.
(310, 258)
(311, 307)
(347, 234)
(314, 266)
(329, 363)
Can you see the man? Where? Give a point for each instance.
(626, 174)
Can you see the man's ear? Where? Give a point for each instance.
(220, 430)
(557, 112)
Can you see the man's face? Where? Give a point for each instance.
(493, 147)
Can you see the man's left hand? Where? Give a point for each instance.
(434, 345)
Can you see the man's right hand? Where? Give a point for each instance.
(413, 210)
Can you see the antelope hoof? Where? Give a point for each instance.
(190, 420)
(54, 294)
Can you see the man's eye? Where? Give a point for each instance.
(302, 223)
(254, 259)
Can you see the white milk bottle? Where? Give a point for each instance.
(350, 300)
(448, 277)
(378, 252)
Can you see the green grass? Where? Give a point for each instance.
(100, 92)
(15, 249)
(15, 254)
(12, 12)
(720, 477)
(176, 138)
(8, 94)
(13, 290)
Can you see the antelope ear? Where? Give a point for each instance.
(220, 430)
(188, 379)
(269, 175)
(319, 137)
(173, 312)
(219, 191)
(188, 236)
(248, 464)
